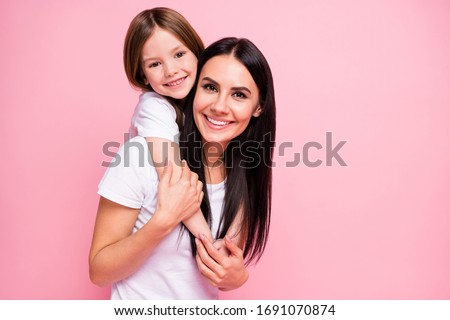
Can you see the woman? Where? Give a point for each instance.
(138, 243)
(235, 124)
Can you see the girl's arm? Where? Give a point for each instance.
(222, 262)
(115, 251)
(162, 150)
(155, 119)
(235, 233)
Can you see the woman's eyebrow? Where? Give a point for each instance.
(210, 80)
(241, 88)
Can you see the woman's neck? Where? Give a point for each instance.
(215, 174)
(214, 167)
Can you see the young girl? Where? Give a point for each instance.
(160, 57)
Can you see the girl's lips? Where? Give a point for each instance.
(175, 82)
(218, 123)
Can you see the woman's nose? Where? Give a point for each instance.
(220, 106)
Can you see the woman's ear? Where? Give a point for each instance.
(257, 112)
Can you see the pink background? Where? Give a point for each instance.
(375, 73)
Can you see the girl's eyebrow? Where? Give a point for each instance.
(241, 88)
(177, 48)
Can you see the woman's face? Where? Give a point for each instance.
(226, 99)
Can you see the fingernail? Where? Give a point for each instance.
(202, 236)
(197, 242)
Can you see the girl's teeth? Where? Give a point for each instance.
(217, 122)
(175, 83)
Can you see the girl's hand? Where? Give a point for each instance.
(178, 199)
(227, 272)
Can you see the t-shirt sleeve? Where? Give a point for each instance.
(156, 118)
(127, 180)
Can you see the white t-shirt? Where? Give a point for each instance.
(154, 117)
(171, 271)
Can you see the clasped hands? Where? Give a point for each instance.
(224, 269)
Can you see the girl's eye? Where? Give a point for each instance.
(154, 64)
(240, 95)
(209, 87)
(180, 54)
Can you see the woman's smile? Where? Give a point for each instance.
(215, 122)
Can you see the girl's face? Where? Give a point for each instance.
(226, 99)
(168, 65)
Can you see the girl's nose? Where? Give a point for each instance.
(171, 69)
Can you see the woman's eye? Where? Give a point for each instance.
(209, 87)
(240, 95)
(179, 54)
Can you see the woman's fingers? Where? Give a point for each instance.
(234, 249)
(212, 252)
(185, 172)
(205, 256)
(194, 179)
(180, 197)
(200, 191)
(202, 266)
(167, 173)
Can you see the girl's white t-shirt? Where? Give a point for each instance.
(154, 116)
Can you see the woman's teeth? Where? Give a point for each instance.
(217, 122)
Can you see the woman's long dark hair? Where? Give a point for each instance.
(248, 158)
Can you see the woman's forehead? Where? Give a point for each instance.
(227, 70)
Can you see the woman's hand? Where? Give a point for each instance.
(178, 199)
(226, 272)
